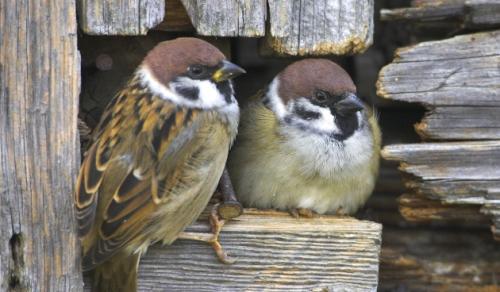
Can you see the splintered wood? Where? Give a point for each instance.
(274, 252)
(458, 81)
(464, 13)
(465, 173)
(310, 27)
(39, 149)
(119, 17)
(227, 17)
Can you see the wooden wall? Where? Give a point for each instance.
(39, 149)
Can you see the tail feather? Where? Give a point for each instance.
(118, 274)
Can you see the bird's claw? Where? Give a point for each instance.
(216, 223)
(302, 212)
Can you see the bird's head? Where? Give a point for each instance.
(316, 96)
(190, 72)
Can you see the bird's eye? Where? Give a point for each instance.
(320, 96)
(196, 70)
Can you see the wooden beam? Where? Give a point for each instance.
(449, 72)
(460, 123)
(310, 27)
(464, 173)
(417, 208)
(274, 252)
(118, 17)
(451, 161)
(39, 149)
(465, 13)
(227, 17)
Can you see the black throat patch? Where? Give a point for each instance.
(347, 125)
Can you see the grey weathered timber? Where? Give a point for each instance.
(448, 161)
(309, 27)
(39, 149)
(467, 13)
(274, 252)
(465, 173)
(461, 71)
(227, 17)
(120, 17)
(418, 208)
(460, 123)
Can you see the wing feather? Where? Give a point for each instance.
(124, 176)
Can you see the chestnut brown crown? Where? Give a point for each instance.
(303, 78)
(172, 58)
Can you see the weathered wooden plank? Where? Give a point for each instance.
(227, 17)
(120, 17)
(466, 13)
(417, 208)
(448, 72)
(453, 161)
(477, 192)
(323, 27)
(417, 259)
(460, 123)
(274, 252)
(39, 150)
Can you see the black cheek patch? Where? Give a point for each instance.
(191, 93)
(306, 115)
(224, 88)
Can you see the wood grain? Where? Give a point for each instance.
(466, 13)
(323, 27)
(227, 17)
(453, 161)
(460, 123)
(39, 149)
(464, 173)
(120, 17)
(274, 252)
(417, 208)
(461, 71)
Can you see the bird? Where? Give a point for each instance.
(155, 158)
(307, 144)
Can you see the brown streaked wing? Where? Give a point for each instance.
(128, 206)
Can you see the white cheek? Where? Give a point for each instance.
(326, 121)
(209, 96)
(275, 102)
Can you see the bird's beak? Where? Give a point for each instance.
(227, 71)
(350, 104)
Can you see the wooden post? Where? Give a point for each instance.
(39, 149)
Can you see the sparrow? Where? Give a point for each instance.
(306, 144)
(155, 158)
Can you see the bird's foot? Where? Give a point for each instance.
(302, 212)
(216, 224)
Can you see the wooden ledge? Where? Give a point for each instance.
(274, 251)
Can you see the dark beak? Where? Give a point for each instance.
(227, 71)
(349, 105)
